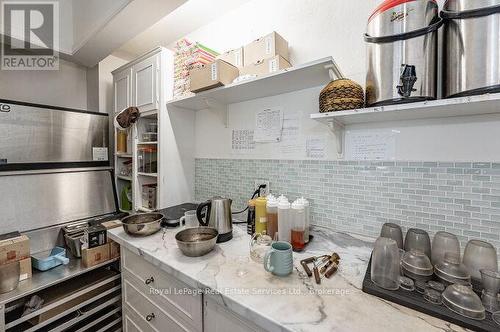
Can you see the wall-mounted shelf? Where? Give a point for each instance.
(152, 175)
(123, 177)
(146, 143)
(434, 109)
(308, 75)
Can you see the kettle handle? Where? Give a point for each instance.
(207, 215)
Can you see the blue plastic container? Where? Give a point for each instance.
(49, 259)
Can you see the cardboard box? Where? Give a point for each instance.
(210, 76)
(95, 255)
(266, 66)
(234, 57)
(14, 249)
(25, 271)
(112, 224)
(264, 48)
(114, 249)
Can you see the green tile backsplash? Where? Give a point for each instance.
(359, 196)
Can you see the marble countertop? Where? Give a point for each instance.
(291, 303)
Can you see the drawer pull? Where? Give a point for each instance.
(150, 317)
(149, 280)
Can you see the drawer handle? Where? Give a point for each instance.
(149, 280)
(150, 317)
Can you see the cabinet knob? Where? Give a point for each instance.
(149, 280)
(150, 317)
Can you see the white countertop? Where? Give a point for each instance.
(290, 303)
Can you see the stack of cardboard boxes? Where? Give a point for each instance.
(100, 252)
(16, 247)
(263, 56)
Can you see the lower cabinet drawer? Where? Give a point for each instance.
(147, 315)
(219, 319)
(131, 322)
(164, 290)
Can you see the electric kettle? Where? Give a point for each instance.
(218, 216)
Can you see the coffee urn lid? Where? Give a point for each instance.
(458, 6)
(393, 17)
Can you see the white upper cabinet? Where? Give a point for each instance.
(145, 80)
(122, 90)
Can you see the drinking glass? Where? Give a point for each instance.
(393, 231)
(385, 269)
(443, 243)
(480, 255)
(491, 284)
(418, 239)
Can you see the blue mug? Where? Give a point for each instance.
(279, 259)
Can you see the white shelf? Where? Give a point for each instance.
(152, 175)
(125, 178)
(146, 143)
(434, 109)
(124, 155)
(442, 108)
(296, 78)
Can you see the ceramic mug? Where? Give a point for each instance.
(279, 259)
(189, 219)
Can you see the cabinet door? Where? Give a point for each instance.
(219, 319)
(145, 80)
(122, 83)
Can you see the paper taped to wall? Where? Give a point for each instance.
(268, 125)
(371, 144)
(242, 141)
(290, 142)
(315, 147)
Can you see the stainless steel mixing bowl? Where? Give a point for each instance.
(198, 241)
(142, 224)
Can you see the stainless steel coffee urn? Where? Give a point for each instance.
(402, 52)
(471, 47)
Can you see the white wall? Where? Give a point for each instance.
(315, 29)
(66, 87)
(106, 66)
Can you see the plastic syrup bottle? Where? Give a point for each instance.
(307, 213)
(284, 222)
(272, 216)
(260, 215)
(298, 226)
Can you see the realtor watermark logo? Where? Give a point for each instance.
(30, 37)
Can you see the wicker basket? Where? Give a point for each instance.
(342, 94)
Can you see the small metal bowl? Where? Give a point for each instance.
(198, 241)
(142, 224)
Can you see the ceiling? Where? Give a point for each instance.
(90, 30)
(187, 18)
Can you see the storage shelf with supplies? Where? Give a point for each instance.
(308, 75)
(434, 109)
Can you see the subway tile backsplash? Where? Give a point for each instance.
(359, 196)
